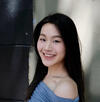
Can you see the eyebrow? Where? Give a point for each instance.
(42, 34)
(55, 36)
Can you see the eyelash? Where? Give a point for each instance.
(42, 39)
(55, 41)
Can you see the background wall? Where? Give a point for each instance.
(85, 14)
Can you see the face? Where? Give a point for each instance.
(51, 46)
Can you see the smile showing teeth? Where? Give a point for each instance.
(48, 55)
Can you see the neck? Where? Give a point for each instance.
(57, 71)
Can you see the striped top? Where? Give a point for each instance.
(43, 93)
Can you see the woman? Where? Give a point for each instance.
(58, 76)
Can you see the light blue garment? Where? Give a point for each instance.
(44, 94)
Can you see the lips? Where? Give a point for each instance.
(48, 55)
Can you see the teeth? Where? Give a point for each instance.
(48, 55)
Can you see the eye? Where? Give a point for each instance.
(42, 39)
(56, 41)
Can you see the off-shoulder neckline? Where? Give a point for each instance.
(45, 85)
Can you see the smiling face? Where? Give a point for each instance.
(50, 46)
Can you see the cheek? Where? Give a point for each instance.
(39, 46)
(61, 50)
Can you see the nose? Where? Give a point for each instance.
(48, 46)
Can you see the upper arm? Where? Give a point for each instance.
(67, 89)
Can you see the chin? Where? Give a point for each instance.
(47, 64)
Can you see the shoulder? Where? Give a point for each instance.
(67, 89)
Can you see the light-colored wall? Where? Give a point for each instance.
(85, 14)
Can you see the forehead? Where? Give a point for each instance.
(49, 30)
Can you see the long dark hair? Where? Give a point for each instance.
(73, 64)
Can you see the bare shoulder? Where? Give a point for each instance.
(67, 89)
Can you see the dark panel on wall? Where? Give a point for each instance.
(13, 72)
(1, 100)
(15, 40)
(16, 22)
